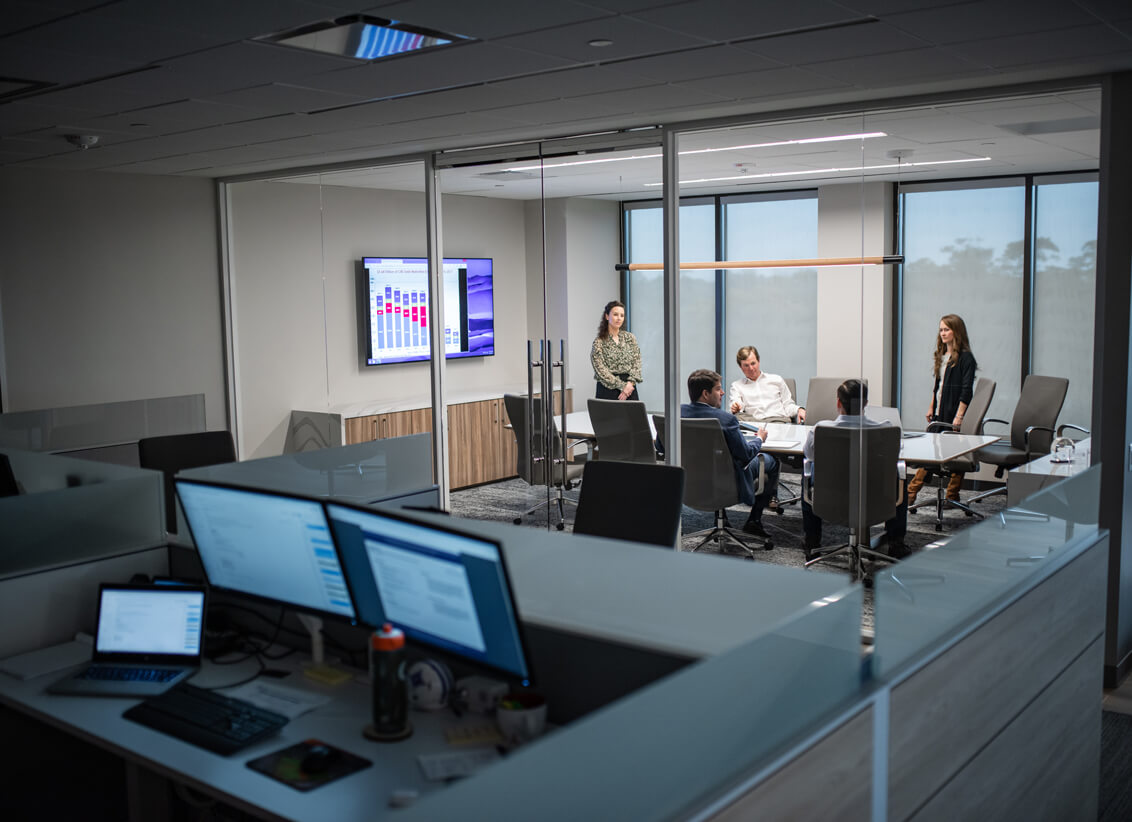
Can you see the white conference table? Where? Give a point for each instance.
(788, 439)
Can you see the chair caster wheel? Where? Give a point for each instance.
(779, 511)
(518, 520)
(561, 526)
(938, 527)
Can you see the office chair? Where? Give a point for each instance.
(821, 398)
(854, 482)
(632, 501)
(710, 483)
(622, 430)
(178, 452)
(965, 464)
(1031, 428)
(532, 444)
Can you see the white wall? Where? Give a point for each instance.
(593, 248)
(295, 251)
(109, 289)
(855, 303)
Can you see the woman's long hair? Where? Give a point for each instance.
(603, 326)
(962, 343)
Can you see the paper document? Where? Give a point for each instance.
(291, 702)
(780, 445)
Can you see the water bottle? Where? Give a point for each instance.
(390, 689)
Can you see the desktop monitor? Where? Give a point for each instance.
(446, 589)
(266, 545)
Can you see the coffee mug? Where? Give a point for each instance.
(521, 717)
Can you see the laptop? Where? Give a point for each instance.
(149, 638)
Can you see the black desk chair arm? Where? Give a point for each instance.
(1061, 429)
(940, 427)
(1030, 430)
(982, 428)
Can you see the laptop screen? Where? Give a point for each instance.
(150, 620)
(442, 587)
(268, 545)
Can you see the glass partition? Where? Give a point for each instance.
(937, 592)
(76, 510)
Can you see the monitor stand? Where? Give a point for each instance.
(318, 670)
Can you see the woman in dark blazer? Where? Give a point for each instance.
(954, 369)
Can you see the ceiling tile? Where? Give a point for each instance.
(280, 98)
(48, 65)
(1039, 47)
(252, 64)
(443, 68)
(756, 84)
(695, 64)
(630, 38)
(897, 68)
(730, 20)
(651, 98)
(91, 36)
(989, 18)
(222, 21)
(834, 44)
(486, 21)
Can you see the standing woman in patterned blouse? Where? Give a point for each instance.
(616, 357)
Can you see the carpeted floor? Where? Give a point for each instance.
(503, 501)
(1115, 803)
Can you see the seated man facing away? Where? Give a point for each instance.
(852, 397)
(705, 389)
(761, 396)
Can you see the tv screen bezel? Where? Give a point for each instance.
(365, 332)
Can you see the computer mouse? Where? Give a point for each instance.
(318, 759)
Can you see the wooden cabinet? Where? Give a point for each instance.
(384, 426)
(481, 448)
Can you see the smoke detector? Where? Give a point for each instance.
(82, 141)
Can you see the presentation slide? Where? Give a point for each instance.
(397, 305)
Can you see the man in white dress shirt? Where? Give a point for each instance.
(761, 396)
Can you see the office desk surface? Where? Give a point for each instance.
(692, 605)
(360, 796)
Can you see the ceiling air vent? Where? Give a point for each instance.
(363, 37)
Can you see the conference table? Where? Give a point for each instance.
(787, 439)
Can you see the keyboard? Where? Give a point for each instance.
(116, 673)
(207, 719)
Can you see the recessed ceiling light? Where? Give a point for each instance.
(798, 142)
(845, 169)
(363, 37)
(600, 43)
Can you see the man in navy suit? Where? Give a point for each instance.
(705, 389)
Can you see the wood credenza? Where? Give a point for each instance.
(481, 448)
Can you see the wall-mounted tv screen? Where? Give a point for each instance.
(393, 294)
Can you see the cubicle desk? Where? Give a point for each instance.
(360, 796)
(1032, 477)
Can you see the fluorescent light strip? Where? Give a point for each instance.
(799, 142)
(799, 173)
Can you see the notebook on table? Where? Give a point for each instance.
(149, 638)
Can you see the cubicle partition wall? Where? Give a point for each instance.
(75, 523)
(106, 431)
(980, 700)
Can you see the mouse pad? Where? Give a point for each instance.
(286, 765)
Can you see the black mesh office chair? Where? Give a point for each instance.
(710, 479)
(632, 501)
(178, 452)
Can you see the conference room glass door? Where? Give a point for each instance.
(547, 215)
